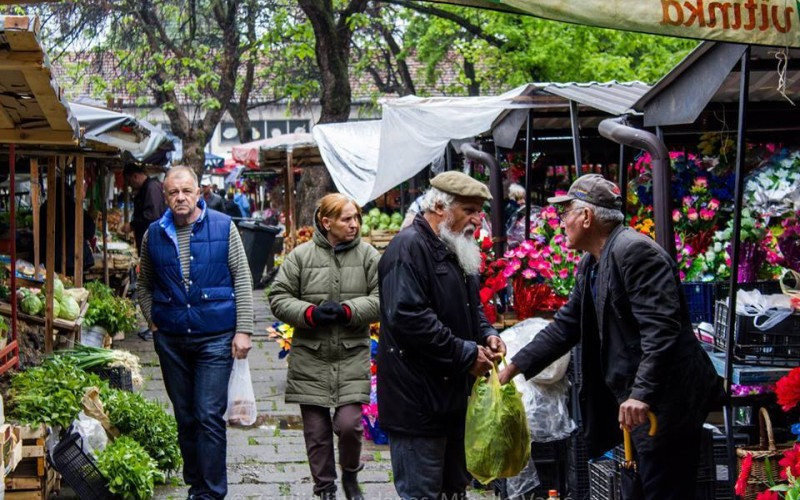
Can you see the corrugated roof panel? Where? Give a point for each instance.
(616, 98)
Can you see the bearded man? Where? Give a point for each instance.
(435, 338)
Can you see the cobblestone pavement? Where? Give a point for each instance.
(267, 460)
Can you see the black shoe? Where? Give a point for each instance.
(350, 486)
(145, 334)
(327, 495)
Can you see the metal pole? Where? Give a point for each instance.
(496, 188)
(12, 199)
(576, 139)
(622, 178)
(104, 223)
(744, 86)
(528, 180)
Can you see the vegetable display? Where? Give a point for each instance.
(375, 219)
(113, 313)
(129, 470)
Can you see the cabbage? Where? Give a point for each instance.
(69, 308)
(397, 218)
(375, 212)
(31, 304)
(365, 230)
(58, 289)
(385, 219)
(383, 227)
(394, 227)
(56, 308)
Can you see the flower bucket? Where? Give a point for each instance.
(751, 257)
(531, 298)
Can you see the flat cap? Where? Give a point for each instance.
(594, 189)
(459, 184)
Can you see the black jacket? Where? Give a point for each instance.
(148, 206)
(431, 323)
(637, 342)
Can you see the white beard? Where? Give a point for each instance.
(463, 245)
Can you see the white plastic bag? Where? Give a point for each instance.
(767, 310)
(92, 432)
(241, 398)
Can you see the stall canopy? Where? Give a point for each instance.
(213, 161)
(366, 159)
(32, 107)
(738, 21)
(250, 153)
(136, 140)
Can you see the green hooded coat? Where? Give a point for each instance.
(328, 365)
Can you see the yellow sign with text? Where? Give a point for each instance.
(759, 22)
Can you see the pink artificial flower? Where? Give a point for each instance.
(682, 275)
(558, 239)
(691, 214)
(557, 259)
(546, 252)
(528, 274)
(676, 215)
(515, 264)
(508, 272)
(563, 274)
(547, 274)
(706, 214)
(688, 200)
(773, 258)
(701, 182)
(521, 252)
(554, 223)
(713, 204)
(509, 254)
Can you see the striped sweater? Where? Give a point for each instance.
(237, 262)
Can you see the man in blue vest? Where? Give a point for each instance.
(197, 296)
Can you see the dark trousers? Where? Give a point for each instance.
(666, 472)
(318, 431)
(428, 468)
(196, 371)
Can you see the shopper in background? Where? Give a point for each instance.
(213, 200)
(435, 338)
(639, 353)
(327, 289)
(148, 203)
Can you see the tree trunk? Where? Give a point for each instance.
(194, 154)
(473, 85)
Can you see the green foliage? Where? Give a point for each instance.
(129, 470)
(50, 393)
(115, 314)
(148, 423)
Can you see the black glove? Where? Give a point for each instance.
(326, 313)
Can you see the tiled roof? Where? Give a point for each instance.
(363, 87)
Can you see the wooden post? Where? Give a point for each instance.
(79, 172)
(290, 198)
(62, 163)
(104, 224)
(35, 208)
(50, 260)
(12, 201)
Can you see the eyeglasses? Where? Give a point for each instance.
(562, 214)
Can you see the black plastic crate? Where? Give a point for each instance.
(701, 296)
(577, 467)
(722, 488)
(118, 377)
(553, 451)
(778, 345)
(78, 469)
(604, 480)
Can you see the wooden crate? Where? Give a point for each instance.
(381, 239)
(11, 447)
(33, 478)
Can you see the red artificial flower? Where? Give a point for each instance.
(790, 460)
(788, 390)
(744, 474)
(486, 294)
(768, 495)
(486, 244)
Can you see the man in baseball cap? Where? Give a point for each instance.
(434, 338)
(628, 312)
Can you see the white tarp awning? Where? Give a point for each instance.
(366, 159)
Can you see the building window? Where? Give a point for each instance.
(280, 127)
(228, 134)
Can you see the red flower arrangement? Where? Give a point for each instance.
(788, 390)
(790, 463)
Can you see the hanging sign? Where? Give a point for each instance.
(759, 22)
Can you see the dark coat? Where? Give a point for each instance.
(215, 202)
(431, 323)
(637, 342)
(148, 206)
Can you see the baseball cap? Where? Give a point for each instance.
(594, 189)
(460, 184)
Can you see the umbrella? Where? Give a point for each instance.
(631, 484)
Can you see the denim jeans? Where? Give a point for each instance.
(196, 371)
(429, 468)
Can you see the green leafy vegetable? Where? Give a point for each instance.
(129, 470)
(50, 393)
(148, 423)
(113, 313)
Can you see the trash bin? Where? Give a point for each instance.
(258, 242)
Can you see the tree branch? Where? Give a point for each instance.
(464, 23)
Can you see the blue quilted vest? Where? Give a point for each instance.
(208, 305)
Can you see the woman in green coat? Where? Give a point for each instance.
(327, 289)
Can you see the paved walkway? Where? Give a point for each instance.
(267, 460)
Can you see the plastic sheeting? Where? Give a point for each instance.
(366, 159)
(135, 139)
(249, 152)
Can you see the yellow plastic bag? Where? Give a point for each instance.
(497, 440)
